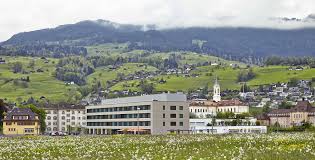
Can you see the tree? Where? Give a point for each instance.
(285, 105)
(146, 87)
(41, 115)
(17, 67)
(293, 82)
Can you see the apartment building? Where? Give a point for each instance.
(148, 114)
(65, 118)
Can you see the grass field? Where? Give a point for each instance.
(41, 83)
(235, 146)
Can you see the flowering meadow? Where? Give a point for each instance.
(236, 146)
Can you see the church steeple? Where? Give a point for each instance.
(216, 91)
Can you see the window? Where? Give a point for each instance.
(79, 112)
(48, 129)
(8, 123)
(79, 118)
(63, 117)
(163, 115)
(63, 128)
(181, 107)
(181, 123)
(163, 123)
(173, 123)
(72, 123)
(48, 117)
(48, 112)
(49, 123)
(68, 115)
(173, 107)
(173, 115)
(55, 117)
(11, 129)
(55, 112)
(54, 123)
(68, 120)
(63, 112)
(73, 112)
(55, 129)
(28, 130)
(181, 115)
(163, 107)
(63, 123)
(73, 118)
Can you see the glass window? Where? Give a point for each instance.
(173, 123)
(173, 115)
(181, 115)
(181, 123)
(181, 107)
(173, 107)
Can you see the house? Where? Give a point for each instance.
(148, 114)
(2, 61)
(296, 116)
(21, 121)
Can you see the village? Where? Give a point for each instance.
(283, 107)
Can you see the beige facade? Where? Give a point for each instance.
(21, 121)
(301, 113)
(154, 114)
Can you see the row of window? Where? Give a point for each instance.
(174, 124)
(219, 110)
(115, 109)
(297, 115)
(63, 117)
(11, 129)
(29, 130)
(173, 108)
(119, 116)
(174, 116)
(141, 123)
(21, 123)
(64, 123)
(20, 117)
(63, 112)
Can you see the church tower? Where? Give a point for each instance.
(216, 91)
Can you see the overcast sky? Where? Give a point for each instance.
(27, 15)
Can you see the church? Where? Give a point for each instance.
(202, 107)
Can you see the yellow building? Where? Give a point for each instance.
(21, 121)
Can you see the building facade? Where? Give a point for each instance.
(296, 116)
(21, 121)
(198, 126)
(65, 118)
(150, 114)
(203, 108)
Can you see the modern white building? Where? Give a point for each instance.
(65, 118)
(203, 126)
(148, 114)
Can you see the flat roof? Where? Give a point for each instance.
(147, 98)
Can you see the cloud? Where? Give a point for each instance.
(27, 15)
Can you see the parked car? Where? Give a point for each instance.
(58, 133)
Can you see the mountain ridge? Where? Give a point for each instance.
(221, 41)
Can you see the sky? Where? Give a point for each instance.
(27, 15)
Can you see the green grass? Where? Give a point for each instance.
(218, 147)
(41, 84)
(104, 74)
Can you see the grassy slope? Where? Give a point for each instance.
(104, 74)
(41, 84)
(227, 77)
